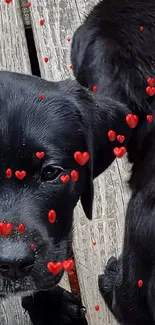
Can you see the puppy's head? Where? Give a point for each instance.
(37, 117)
(111, 50)
(56, 119)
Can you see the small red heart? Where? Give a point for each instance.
(40, 155)
(52, 216)
(71, 67)
(20, 175)
(81, 157)
(28, 4)
(94, 89)
(140, 283)
(46, 59)
(141, 28)
(21, 228)
(42, 21)
(68, 39)
(94, 243)
(8, 1)
(149, 118)
(42, 96)
(32, 246)
(68, 265)
(121, 138)
(74, 175)
(112, 135)
(65, 178)
(54, 268)
(9, 173)
(151, 81)
(150, 91)
(119, 152)
(97, 308)
(5, 228)
(132, 120)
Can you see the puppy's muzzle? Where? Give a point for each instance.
(16, 259)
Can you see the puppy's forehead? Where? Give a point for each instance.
(29, 123)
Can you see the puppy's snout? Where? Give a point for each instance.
(16, 260)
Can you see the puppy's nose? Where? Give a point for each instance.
(16, 261)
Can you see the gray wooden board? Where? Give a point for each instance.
(62, 17)
(14, 57)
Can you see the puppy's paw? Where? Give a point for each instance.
(107, 280)
(56, 307)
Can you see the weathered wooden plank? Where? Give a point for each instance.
(111, 195)
(13, 46)
(13, 57)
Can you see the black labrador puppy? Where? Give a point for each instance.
(47, 131)
(114, 50)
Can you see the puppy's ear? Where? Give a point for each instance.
(102, 115)
(87, 200)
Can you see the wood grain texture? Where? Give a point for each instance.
(13, 57)
(111, 191)
(13, 46)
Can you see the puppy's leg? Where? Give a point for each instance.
(56, 307)
(124, 298)
(107, 281)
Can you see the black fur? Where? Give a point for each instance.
(29, 124)
(109, 50)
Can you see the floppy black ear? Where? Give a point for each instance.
(101, 115)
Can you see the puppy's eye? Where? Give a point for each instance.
(50, 173)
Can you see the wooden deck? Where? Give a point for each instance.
(61, 18)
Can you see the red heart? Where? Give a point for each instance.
(68, 265)
(8, 1)
(5, 228)
(150, 91)
(28, 4)
(65, 178)
(40, 155)
(74, 175)
(149, 118)
(151, 81)
(20, 175)
(121, 138)
(119, 152)
(140, 283)
(52, 216)
(42, 96)
(21, 228)
(132, 120)
(112, 135)
(42, 22)
(97, 308)
(54, 268)
(46, 59)
(8, 173)
(94, 89)
(81, 157)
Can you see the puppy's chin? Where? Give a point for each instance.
(27, 286)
